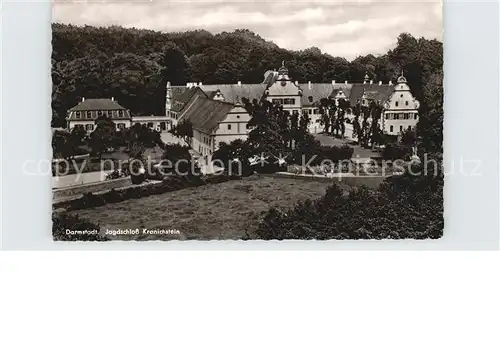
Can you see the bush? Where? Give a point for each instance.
(394, 151)
(169, 183)
(403, 207)
(64, 221)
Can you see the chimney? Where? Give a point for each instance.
(187, 85)
(333, 82)
(345, 82)
(83, 99)
(239, 83)
(379, 82)
(297, 83)
(371, 81)
(390, 82)
(310, 85)
(112, 99)
(200, 84)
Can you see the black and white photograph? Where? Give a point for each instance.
(247, 120)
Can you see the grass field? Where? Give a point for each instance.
(221, 211)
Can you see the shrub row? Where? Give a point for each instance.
(404, 207)
(169, 183)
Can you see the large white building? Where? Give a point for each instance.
(218, 115)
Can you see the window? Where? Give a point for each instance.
(150, 125)
(246, 126)
(89, 114)
(110, 114)
(397, 104)
(406, 103)
(77, 114)
(306, 112)
(310, 111)
(163, 126)
(401, 95)
(120, 113)
(310, 99)
(289, 101)
(238, 116)
(89, 127)
(364, 102)
(416, 116)
(168, 113)
(295, 111)
(396, 116)
(228, 127)
(409, 127)
(391, 128)
(406, 116)
(277, 101)
(400, 128)
(315, 111)
(121, 126)
(99, 114)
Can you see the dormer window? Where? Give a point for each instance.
(120, 113)
(99, 113)
(77, 114)
(89, 114)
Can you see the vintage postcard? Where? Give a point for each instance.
(247, 120)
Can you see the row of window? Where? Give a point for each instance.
(310, 111)
(397, 103)
(172, 114)
(391, 128)
(230, 127)
(203, 150)
(163, 125)
(94, 114)
(408, 115)
(286, 101)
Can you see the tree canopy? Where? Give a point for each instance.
(133, 65)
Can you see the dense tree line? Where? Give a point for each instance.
(133, 65)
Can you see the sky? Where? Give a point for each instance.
(345, 28)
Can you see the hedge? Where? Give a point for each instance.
(404, 207)
(169, 183)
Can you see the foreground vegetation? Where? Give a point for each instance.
(230, 210)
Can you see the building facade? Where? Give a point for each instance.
(218, 114)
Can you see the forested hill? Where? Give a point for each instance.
(133, 65)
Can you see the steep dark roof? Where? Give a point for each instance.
(371, 91)
(181, 95)
(205, 114)
(233, 91)
(319, 91)
(97, 104)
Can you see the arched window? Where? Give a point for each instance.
(397, 104)
(406, 103)
(391, 128)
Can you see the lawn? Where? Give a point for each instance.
(220, 211)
